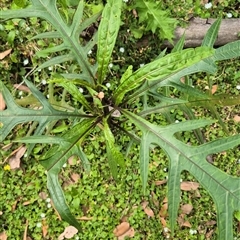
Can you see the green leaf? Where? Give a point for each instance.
(48, 10)
(57, 156)
(179, 45)
(127, 74)
(224, 189)
(161, 69)
(74, 91)
(228, 51)
(59, 201)
(114, 156)
(107, 35)
(212, 33)
(15, 114)
(156, 19)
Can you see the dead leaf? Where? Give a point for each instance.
(214, 88)
(160, 182)
(163, 221)
(121, 229)
(186, 208)
(210, 223)
(5, 53)
(22, 87)
(236, 118)
(25, 231)
(44, 228)
(208, 235)
(163, 211)
(68, 233)
(187, 224)
(85, 218)
(26, 203)
(100, 95)
(43, 195)
(14, 161)
(147, 209)
(75, 177)
(130, 233)
(2, 102)
(189, 186)
(3, 236)
(72, 160)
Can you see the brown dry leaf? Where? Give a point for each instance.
(3, 236)
(68, 233)
(210, 223)
(5, 53)
(214, 88)
(14, 161)
(44, 229)
(163, 221)
(22, 87)
(160, 182)
(100, 95)
(187, 224)
(26, 203)
(43, 195)
(186, 208)
(130, 233)
(236, 118)
(25, 231)
(163, 211)
(85, 218)
(75, 177)
(147, 209)
(135, 13)
(121, 229)
(209, 234)
(2, 102)
(188, 186)
(72, 160)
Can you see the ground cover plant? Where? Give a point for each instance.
(110, 105)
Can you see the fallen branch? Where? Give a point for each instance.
(229, 31)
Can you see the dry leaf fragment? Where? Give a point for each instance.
(121, 229)
(188, 186)
(186, 208)
(100, 95)
(22, 87)
(68, 233)
(160, 182)
(236, 118)
(147, 209)
(14, 161)
(163, 211)
(44, 229)
(130, 233)
(2, 102)
(214, 88)
(5, 53)
(43, 195)
(75, 177)
(187, 224)
(3, 236)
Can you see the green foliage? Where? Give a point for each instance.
(108, 111)
(155, 19)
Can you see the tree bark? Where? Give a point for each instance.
(229, 31)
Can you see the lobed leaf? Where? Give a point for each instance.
(14, 114)
(224, 189)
